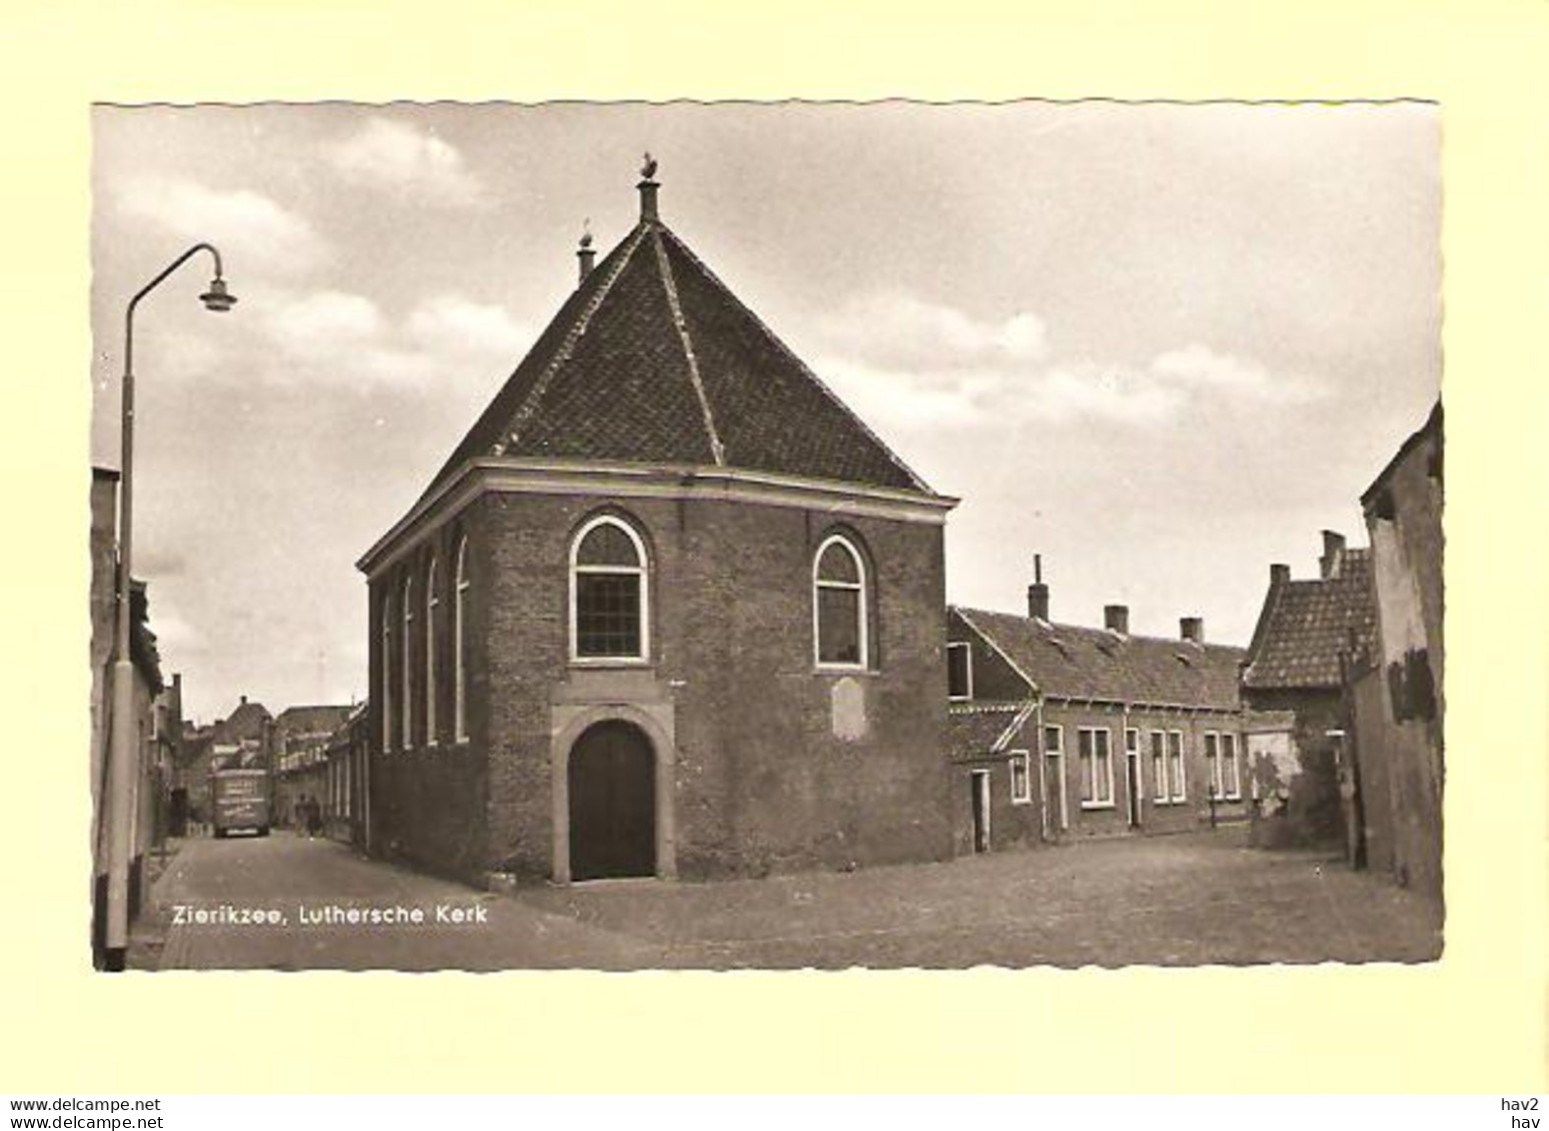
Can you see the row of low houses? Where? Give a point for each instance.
(671, 609)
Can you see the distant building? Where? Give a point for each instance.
(300, 739)
(234, 742)
(344, 792)
(1395, 685)
(669, 609)
(1298, 756)
(1060, 731)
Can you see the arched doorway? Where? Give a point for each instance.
(612, 780)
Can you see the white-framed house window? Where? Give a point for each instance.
(432, 599)
(960, 672)
(1054, 767)
(839, 605)
(1177, 780)
(1229, 786)
(1021, 778)
(609, 593)
(1159, 792)
(1212, 741)
(1095, 755)
(460, 645)
(387, 673)
(408, 663)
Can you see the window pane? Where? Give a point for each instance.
(1052, 739)
(1175, 764)
(957, 671)
(1159, 765)
(1229, 764)
(1019, 790)
(607, 614)
(1102, 768)
(838, 564)
(839, 626)
(607, 545)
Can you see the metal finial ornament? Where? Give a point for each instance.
(586, 233)
(648, 170)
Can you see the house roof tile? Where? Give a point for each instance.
(1307, 624)
(984, 730)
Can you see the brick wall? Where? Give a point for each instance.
(763, 783)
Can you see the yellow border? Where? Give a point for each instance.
(1474, 1022)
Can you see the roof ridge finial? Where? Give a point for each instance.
(586, 233)
(587, 255)
(648, 187)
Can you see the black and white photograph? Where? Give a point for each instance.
(710, 536)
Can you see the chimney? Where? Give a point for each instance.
(243, 702)
(648, 187)
(1116, 619)
(1038, 592)
(587, 255)
(1192, 629)
(1279, 574)
(1333, 554)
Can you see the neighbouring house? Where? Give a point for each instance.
(234, 742)
(301, 736)
(1298, 750)
(1395, 685)
(147, 805)
(1062, 731)
(669, 609)
(344, 792)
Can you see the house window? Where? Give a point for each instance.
(1054, 765)
(460, 647)
(960, 671)
(432, 599)
(1096, 759)
(1213, 762)
(408, 663)
(1231, 772)
(608, 593)
(839, 604)
(387, 673)
(1175, 776)
(1159, 766)
(1021, 781)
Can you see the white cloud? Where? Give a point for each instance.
(401, 159)
(247, 227)
(1202, 368)
(324, 322)
(452, 323)
(896, 330)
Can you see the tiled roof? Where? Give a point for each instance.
(1070, 662)
(978, 730)
(1305, 626)
(653, 360)
(321, 719)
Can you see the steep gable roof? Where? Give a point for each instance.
(1065, 661)
(1305, 625)
(983, 730)
(318, 719)
(653, 360)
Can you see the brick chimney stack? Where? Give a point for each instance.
(1116, 619)
(648, 186)
(1192, 629)
(1279, 574)
(1038, 592)
(1333, 554)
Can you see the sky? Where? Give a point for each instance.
(1162, 346)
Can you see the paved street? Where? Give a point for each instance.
(1182, 900)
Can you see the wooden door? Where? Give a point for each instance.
(979, 782)
(612, 803)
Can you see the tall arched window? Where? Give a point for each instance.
(459, 647)
(609, 594)
(839, 605)
(386, 705)
(408, 663)
(432, 598)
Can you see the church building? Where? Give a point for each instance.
(669, 609)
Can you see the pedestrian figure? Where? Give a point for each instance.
(314, 818)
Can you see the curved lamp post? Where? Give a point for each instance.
(123, 754)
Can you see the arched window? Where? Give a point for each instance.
(408, 663)
(609, 593)
(386, 705)
(459, 647)
(432, 599)
(839, 604)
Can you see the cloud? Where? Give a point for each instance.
(455, 324)
(412, 163)
(1202, 368)
(247, 226)
(893, 329)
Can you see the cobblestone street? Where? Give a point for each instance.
(1180, 900)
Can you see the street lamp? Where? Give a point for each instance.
(123, 760)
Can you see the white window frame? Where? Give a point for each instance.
(1107, 733)
(459, 645)
(408, 662)
(432, 599)
(1025, 797)
(968, 670)
(1160, 794)
(1057, 754)
(387, 672)
(863, 609)
(1179, 785)
(1230, 739)
(643, 571)
(1213, 762)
